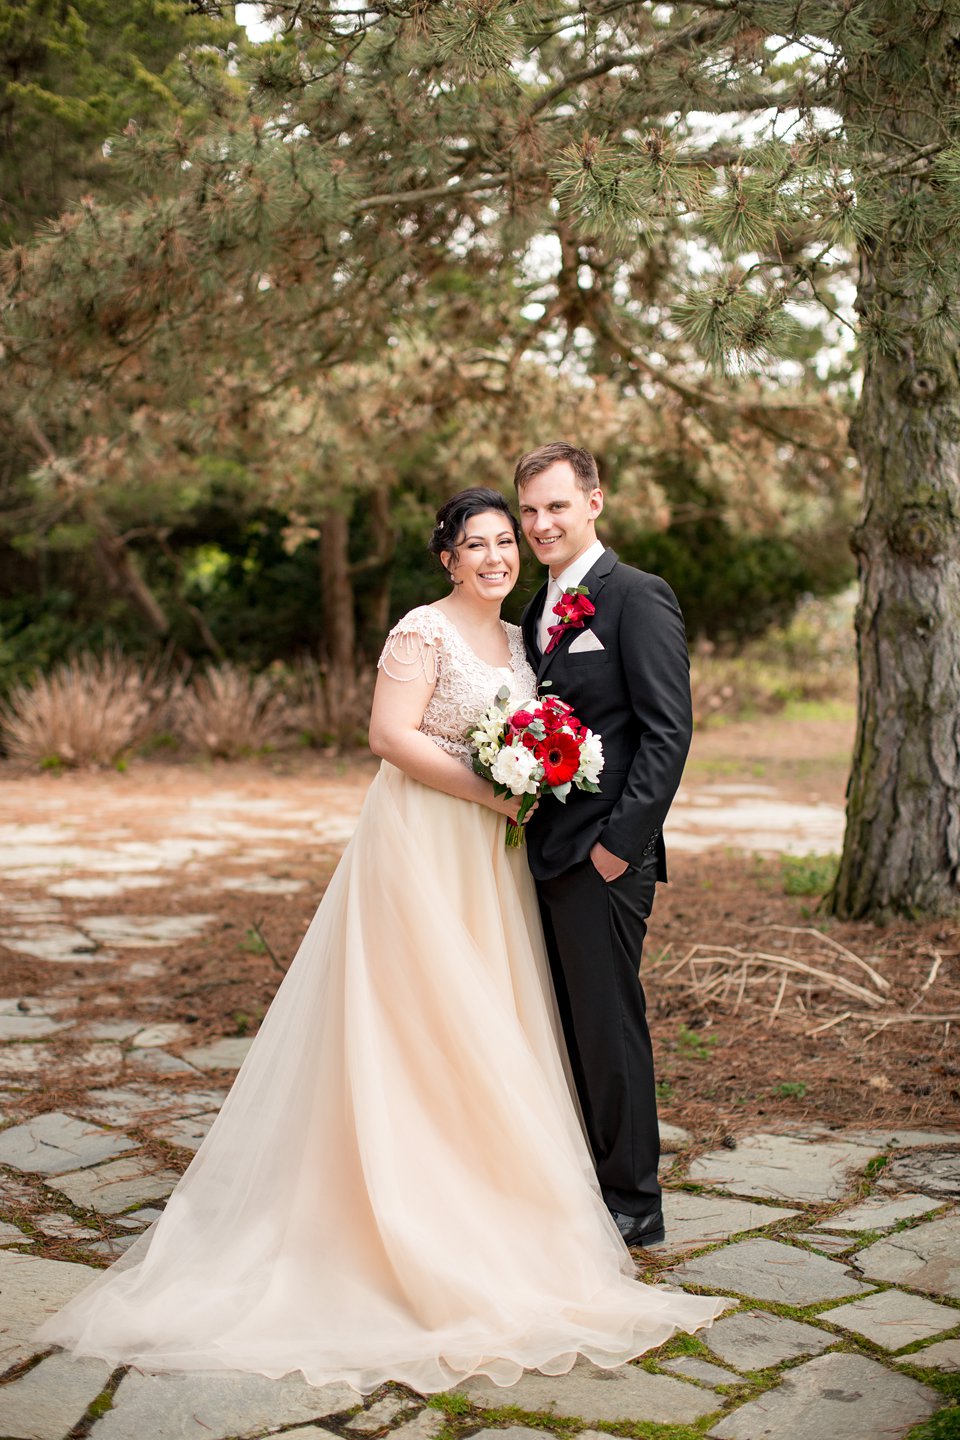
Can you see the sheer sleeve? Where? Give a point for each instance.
(412, 649)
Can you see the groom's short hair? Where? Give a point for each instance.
(581, 462)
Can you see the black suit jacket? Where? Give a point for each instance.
(635, 694)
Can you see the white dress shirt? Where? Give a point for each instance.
(572, 575)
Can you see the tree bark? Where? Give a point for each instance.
(901, 853)
(340, 630)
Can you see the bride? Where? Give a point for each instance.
(397, 1186)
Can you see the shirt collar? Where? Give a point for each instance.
(580, 567)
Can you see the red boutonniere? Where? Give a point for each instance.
(573, 608)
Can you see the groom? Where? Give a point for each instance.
(596, 860)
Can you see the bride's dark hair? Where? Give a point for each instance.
(454, 513)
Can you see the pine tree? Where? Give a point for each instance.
(388, 173)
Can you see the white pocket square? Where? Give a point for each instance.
(586, 641)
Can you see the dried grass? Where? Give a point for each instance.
(90, 710)
(230, 712)
(332, 710)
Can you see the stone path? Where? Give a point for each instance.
(842, 1248)
(848, 1324)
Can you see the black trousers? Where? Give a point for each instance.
(594, 933)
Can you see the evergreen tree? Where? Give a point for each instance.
(396, 171)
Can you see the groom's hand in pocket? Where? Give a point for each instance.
(608, 866)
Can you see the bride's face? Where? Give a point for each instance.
(487, 560)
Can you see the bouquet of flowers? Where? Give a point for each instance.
(540, 748)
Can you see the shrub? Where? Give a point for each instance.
(229, 712)
(86, 711)
(329, 709)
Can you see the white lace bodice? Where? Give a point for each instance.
(425, 643)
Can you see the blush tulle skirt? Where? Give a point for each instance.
(397, 1186)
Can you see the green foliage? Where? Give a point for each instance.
(808, 874)
(692, 1045)
(791, 1090)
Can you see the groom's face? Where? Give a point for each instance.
(558, 518)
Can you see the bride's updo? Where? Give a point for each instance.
(454, 513)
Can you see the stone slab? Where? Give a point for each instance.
(785, 1167)
(693, 1220)
(32, 1289)
(115, 1187)
(425, 1426)
(138, 932)
(945, 1355)
(49, 1400)
(829, 1244)
(159, 1062)
(381, 1414)
(696, 1369)
(673, 1138)
(189, 1131)
(755, 1339)
(768, 1270)
(53, 1143)
(226, 1054)
(880, 1212)
(925, 1258)
(170, 1032)
(64, 1227)
(893, 1319)
(28, 1027)
(60, 944)
(933, 1172)
(516, 1432)
(214, 1405)
(843, 1396)
(590, 1393)
(12, 1235)
(885, 1139)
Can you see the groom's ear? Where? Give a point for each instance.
(595, 502)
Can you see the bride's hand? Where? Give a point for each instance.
(509, 805)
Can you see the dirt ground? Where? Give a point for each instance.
(723, 1066)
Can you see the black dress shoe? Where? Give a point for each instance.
(641, 1230)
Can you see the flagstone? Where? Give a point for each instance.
(844, 1396)
(32, 1289)
(51, 1398)
(893, 1319)
(170, 1032)
(945, 1355)
(693, 1219)
(53, 1143)
(214, 1406)
(830, 1244)
(879, 1212)
(428, 1424)
(673, 1138)
(61, 944)
(933, 1172)
(64, 1227)
(768, 1270)
(379, 1415)
(145, 931)
(590, 1393)
(116, 1186)
(903, 1138)
(694, 1368)
(755, 1339)
(12, 1235)
(159, 1062)
(785, 1167)
(189, 1131)
(925, 1258)
(29, 1027)
(226, 1054)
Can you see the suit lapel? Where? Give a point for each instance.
(529, 626)
(594, 581)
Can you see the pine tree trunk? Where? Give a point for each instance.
(902, 846)
(340, 633)
(901, 852)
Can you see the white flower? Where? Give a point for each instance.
(591, 757)
(517, 768)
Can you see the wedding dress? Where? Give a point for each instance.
(397, 1186)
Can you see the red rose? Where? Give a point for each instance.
(520, 718)
(560, 757)
(530, 741)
